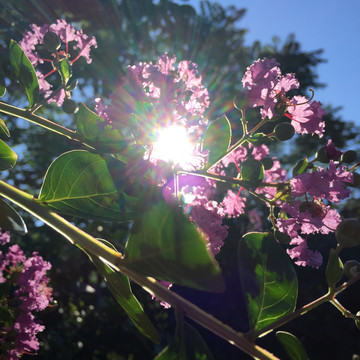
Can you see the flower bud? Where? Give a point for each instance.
(349, 157)
(351, 268)
(52, 41)
(284, 131)
(348, 233)
(69, 106)
(322, 155)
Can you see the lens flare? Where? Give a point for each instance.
(173, 145)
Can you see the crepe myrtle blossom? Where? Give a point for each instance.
(233, 203)
(152, 98)
(207, 216)
(332, 152)
(29, 292)
(4, 237)
(166, 94)
(307, 218)
(306, 118)
(302, 255)
(75, 44)
(329, 183)
(307, 213)
(266, 87)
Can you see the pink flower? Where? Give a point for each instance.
(260, 152)
(209, 222)
(233, 204)
(67, 35)
(28, 281)
(306, 118)
(332, 152)
(65, 31)
(303, 255)
(308, 217)
(237, 156)
(266, 86)
(4, 237)
(26, 329)
(323, 183)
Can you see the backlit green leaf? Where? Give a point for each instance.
(79, 183)
(92, 128)
(119, 285)
(292, 346)
(25, 73)
(252, 172)
(7, 157)
(217, 138)
(268, 279)
(10, 219)
(300, 167)
(187, 345)
(3, 129)
(164, 244)
(2, 82)
(65, 70)
(334, 269)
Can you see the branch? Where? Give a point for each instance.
(45, 123)
(115, 259)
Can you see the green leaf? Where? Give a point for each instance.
(2, 82)
(300, 167)
(164, 244)
(292, 346)
(334, 269)
(25, 73)
(252, 171)
(10, 219)
(119, 285)
(92, 128)
(7, 157)
(189, 344)
(79, 183)
(65, 70)
(259, 139)
(217, 138)
(3, 129)
(268, 279)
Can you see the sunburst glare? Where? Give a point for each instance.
(173, 145)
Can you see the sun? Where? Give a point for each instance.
(173, 145)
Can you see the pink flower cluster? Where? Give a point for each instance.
(80, 44)
(309, 211)
(153, 96)
(28, 293)
(266, 87)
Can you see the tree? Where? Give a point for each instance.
(134, 31)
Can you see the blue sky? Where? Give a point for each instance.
(327, 24)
